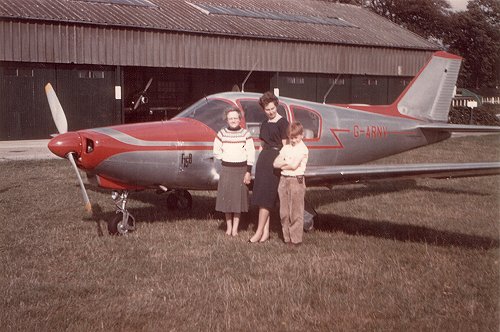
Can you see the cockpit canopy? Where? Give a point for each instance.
(208, 111)
(211, 111)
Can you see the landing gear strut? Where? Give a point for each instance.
(123, 222)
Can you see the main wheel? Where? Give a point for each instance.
(180, 199)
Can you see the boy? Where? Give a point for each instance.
(292, 161)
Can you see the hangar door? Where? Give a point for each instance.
(86, 94)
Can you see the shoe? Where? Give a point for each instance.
(266, 240)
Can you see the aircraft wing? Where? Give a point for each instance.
(331, 175)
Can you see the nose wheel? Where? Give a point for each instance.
(123, 222)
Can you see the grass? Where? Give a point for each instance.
(408, 255)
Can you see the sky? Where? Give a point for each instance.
(458, 4)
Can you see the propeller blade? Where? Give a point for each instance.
(86, 199)
(56, 109)
(138, 102)
(147, 85)
(62, 126)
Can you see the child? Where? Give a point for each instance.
(235, 147)
(292, 161)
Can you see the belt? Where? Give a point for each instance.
(268, 147)
(292, 176)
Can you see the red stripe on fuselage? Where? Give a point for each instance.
(185, 129)
(176, 135)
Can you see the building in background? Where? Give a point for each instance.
(99, 54)
(476, 97)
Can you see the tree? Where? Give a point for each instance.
(475, 35)
(426, 18)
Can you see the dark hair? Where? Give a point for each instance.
(295, 129)
(268, 97)
(232, 109)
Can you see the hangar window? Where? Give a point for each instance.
(211, 112)
(18, 72)
(370, 81)
(295, 80)
(90, 74)
(309, 119)
(337, 81)
(254, 115)
(404, 82)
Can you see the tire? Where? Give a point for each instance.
(113, 224)
(180, 200)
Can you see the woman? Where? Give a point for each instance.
(235, 147)
(273, 135)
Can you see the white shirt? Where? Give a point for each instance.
(289, 153)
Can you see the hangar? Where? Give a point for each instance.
(98, 54)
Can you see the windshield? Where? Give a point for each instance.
(209, 111)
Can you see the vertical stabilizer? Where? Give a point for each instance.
(428, 96)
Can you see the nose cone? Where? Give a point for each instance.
(65, 143)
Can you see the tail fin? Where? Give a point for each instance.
(429, 94)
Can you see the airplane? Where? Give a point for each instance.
(175, 156)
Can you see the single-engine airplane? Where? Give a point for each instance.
(176, 155)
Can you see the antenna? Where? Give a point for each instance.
(330, 89)
(246, 78)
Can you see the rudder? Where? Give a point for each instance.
(429, 94)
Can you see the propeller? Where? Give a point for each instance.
(56, 110)
(141, 95)
(62, 126)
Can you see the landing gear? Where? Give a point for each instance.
(123, 222)
(179, 199)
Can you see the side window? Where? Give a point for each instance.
(310, 120)
(254, 115)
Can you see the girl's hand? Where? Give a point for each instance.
(247, 178)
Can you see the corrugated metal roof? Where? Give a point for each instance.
(367, 28)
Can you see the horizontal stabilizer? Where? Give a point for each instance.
(331, 175)
(460, 128)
